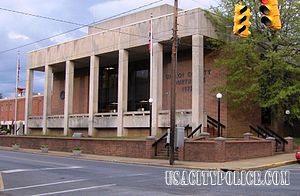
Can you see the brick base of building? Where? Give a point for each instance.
(204, 150)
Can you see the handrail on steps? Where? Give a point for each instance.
(191, 135)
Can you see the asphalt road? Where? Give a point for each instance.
(39, 174)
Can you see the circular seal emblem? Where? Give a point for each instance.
(62, 95)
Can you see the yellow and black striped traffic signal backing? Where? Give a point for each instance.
(242, 20)
(271, 15)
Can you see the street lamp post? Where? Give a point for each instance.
(219, 96)
(150, 109)
(288, 112)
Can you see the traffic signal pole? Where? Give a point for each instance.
(173, 84)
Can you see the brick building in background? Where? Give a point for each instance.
(7, 109)
(100, 84)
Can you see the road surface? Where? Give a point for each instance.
(41, 174)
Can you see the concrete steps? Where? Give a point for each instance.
(163, 154)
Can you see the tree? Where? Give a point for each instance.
(263, 69)
(1, 96)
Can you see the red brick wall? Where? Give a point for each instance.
(207, 151)
(236, 122)
(57, 107)
(126, 148)
(214, 77)
(81, 92)
(7, 108)
(236, 150)
(199, 151)
(183, 81)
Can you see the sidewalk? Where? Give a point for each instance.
(246, 164)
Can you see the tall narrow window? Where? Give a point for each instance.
(108, 89)
(138, 86)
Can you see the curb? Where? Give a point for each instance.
(179, 166)
(263, 167)
(274, 165)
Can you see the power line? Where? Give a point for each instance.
(71, 30)
(86, 52)
(81, 25)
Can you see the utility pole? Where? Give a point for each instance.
(173, 84)
(16, 95)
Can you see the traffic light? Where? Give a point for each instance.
(241, 20)
(271, 16)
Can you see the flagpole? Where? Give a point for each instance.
(151, 74)
(16, 91)
(151, 56)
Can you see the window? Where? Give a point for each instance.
(108, 89)
(138, 86)
(265, 116)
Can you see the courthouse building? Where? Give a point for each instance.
(100, 84)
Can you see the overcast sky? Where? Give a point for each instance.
(17, 29)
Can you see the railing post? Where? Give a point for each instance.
(149, 149)
(289, 147)
(220, 151)
(247, 136)
(273, 144)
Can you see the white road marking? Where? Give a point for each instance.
(45, 162)
(127, 175)
(40, 169)
(74, 190)
(40, 185)
(132, 175)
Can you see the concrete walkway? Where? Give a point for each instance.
(246, 164)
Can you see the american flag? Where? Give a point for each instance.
(18, 67)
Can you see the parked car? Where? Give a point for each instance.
(298, 155)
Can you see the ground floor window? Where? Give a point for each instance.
(138, 86)
(108, 89)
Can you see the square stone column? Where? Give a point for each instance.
(93, 94)
(289, 147)
(273, 145)
(69, 86)
(122, 90)
(220, 150)
(28, 99)
(47, 96)
(156, 85)
(150, 151)
(197, 81)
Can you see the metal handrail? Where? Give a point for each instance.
(191, 135)
(256, 131)
(185, 129)
(271, 133)
(212, 123)
(275, 134)
(215, 121)
(156, 142)
(268, 134)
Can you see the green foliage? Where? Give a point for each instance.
(76, 148)
(263, 69)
